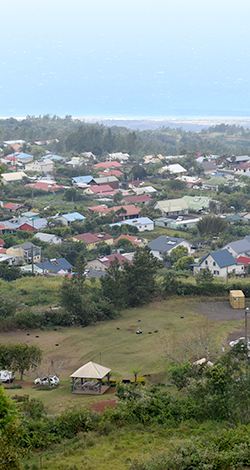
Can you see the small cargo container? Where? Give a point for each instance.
(237, 299)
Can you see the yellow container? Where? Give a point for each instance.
(237, 299)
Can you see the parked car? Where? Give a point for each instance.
(6, 376)
(47, 380)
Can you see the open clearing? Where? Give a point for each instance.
(164, 324)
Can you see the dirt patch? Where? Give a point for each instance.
(99, 406)
(220, 311)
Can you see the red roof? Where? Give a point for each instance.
(139, 198)
(2, 243)
(10, 205)
(2, 227)
(110, 173)
(107, 259)
(131, 210)
(45, 186)
(107, 165)
(103, 188)
(3, 250)
(97, 208)
(244, 260)
(93, 238)
(133, 240)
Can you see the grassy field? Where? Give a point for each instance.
(165, 325)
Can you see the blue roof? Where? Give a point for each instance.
(23, 155)
(54, 157)
(223, 258)
(73, 216)
(56, 265)
(82, 179)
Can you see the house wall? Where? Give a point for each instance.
(216, 270)
(96, 265)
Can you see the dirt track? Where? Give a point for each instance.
(220, 311)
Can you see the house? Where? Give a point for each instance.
(209, 167)
(20, 157)
(82, 179)
(49, 187)
(139, 199)
(198, 203)
(110, 180)
(174, 169)
(213, 183)
(136, 241)
(101, 190)
(172, 206)
(143, 224)
(25, 224)
(33, 224)
(145, 190)
(103, 263)
(12, 207)
(56, 265)
(122, 157)
(132, 211)
(67, 219)
(48, 238)
(243, 260)
(176, 222)
(239, 248)
(25, 252)
(92, 240)
(220, 263)
(110, 173)
(13, 177)
(42, 166)
(162, 245)
(112, 164)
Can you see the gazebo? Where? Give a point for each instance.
(88, 379)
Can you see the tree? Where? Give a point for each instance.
(124, 243)
(204, 276)
(113, 285)
(117, 197)
(138, 172)
(211, 225)
(140, 277)
(21, 357)
(70, 195)
(79, 275)
(183, 264)
(178, 253)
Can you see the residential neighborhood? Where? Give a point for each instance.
(105, 210)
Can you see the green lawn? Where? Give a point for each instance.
(120, 347)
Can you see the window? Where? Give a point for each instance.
(206, 262)
(214, 263)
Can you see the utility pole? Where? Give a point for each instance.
(32, 258)
(246, 339)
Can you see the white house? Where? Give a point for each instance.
(163, 244)
(142, 223)
(220, 263)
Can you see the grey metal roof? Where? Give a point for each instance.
(223, 258)
(163, 243)
(240, 246)
(56, 265)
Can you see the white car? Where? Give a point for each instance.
(47, 380)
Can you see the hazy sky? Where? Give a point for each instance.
(125, 58)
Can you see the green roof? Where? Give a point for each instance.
(197, 202)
